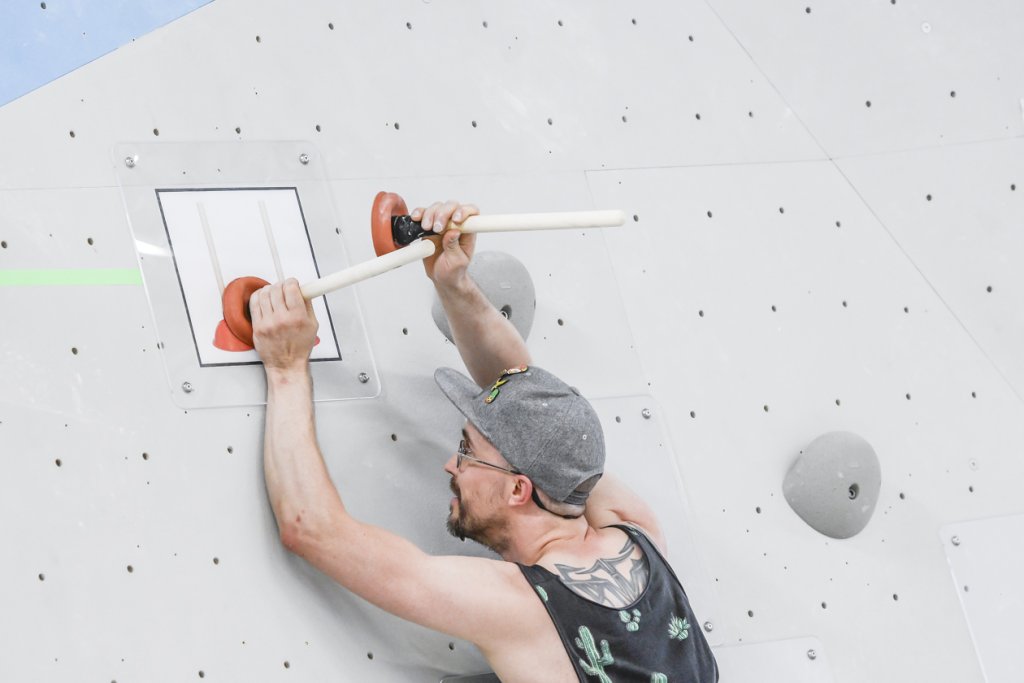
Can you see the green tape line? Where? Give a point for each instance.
(95, 276)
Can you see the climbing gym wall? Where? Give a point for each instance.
(824, 207)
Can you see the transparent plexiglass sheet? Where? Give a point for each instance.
(986, 558)
(204, 214)
(640, 454)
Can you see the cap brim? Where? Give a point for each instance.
(461, 391)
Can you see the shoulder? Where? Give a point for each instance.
(612, 502)
(634, 530)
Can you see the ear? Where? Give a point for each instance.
(522, 491)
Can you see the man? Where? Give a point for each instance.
(583, 592)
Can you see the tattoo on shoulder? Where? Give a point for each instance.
(611, 581)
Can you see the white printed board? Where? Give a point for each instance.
(219, 234)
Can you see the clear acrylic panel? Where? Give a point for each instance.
(203, 214)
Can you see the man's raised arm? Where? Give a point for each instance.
(463, 596)
(488, 343)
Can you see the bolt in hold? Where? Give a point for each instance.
(955, 540)
(708, 626)
(363, 377)
(131, 161)
(187, 387)
(812, 655)
(646, 412)
(304, 159)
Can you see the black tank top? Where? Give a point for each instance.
(657, 639)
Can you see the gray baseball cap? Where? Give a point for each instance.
(543, 427)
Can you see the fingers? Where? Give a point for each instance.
(437, 216)
(255, 310)
(292, 294)
(451, 240)
(428, 217)
(278, 298)
(464, 212)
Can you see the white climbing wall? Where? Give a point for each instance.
(825, 201)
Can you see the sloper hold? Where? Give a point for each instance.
(834, 484)
(506, 283)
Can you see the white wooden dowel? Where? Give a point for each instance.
(421, 249)
(563, 220)
(417, 251)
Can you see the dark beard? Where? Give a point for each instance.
(455, 527)
(461, 527)
(464, 526)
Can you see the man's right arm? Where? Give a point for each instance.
(612, 502)
(471, 598)
(489, 344)
(487, 341)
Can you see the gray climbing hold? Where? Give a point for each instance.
(834, 484)
(506, 283)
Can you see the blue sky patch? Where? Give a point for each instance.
(42, 41)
